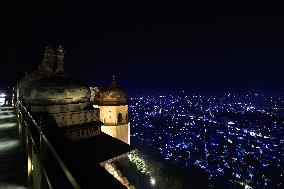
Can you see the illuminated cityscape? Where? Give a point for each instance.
(142, 95)
(236, 139)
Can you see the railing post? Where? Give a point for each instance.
(42, 157)
(17, 98)
(29, 153)
(43, 154)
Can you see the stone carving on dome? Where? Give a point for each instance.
(113, 93)
(60, 62)
(48, 67)
(95, 93)
(48, 64)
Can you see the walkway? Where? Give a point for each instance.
(13, 174)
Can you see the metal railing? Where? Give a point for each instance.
(53, 173)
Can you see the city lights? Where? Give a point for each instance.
(236, 134)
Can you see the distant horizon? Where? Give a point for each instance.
(223, 93)
(133, 93)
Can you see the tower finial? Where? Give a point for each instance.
(113, 83)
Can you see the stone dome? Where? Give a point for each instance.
(112, 95)
(55, 90)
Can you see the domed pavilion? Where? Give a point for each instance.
(50, 91)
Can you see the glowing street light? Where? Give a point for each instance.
(152, 181)
(2, 95)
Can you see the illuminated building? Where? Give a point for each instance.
(112, 102)
(60, 109)
(64, 99)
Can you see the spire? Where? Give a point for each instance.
(60, 61)
(113, 83)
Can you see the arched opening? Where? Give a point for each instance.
(119, 118)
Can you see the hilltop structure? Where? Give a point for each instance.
(61, 108)
(113, 105)
(64, 99)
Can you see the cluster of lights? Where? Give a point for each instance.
(140, 163)
(117, 174)
(215, 133)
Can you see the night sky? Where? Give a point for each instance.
(199, 47)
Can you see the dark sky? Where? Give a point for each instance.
(197, 46)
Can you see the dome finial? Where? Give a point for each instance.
(113, 83)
